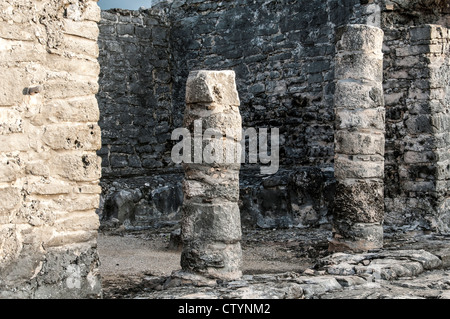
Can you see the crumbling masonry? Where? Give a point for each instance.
(358, 88)
(211, 224)
(49, 169)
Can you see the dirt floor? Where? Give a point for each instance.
(128, 256)
(137, 264)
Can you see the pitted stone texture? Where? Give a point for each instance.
(352, 94)
(212, 87)
(362, 119)
(212, 259)
(359, 202)
(358, 207)
(358, 167)
(211, 223)
(386, 265)
(353, 143)
(48, 141)
(358, 37)
(359, 66)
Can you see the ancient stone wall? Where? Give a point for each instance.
(283, 54)
(135, 100)
(49, 170)
(283, 57)
(415, 86)
(211, 224)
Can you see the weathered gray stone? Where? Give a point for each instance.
(211, 228)
(359, 202)
(212, 222)
(352, 94)
(212, 87)
(358, 207)
(48, 166)
(357, 237)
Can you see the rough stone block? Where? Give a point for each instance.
(221, 122)
(355, 167)
(83, 137)
(212, 87)
(411, 157)
(12, 83)
(443, 170)
(361, 119)
(359, 67)
(223, 190)
(70, 237)
(51, 187)
(9, 169)
(21, 51)
(354, 143)
(74, 65)
(81, 167)
(359, 37)
(10, 198)
(125, 29)
(353, 94)
(60, 89)
(84, 109)
(216, 260)
(16, 142)
(356, 237)
(69, 272)
(16, 32)
(412, 50)
(421, 33)
(210, 175)
(418, 186)
(440, 122)
(77, 221)
(84, 29)
(419, 124)
(81, 46)
(208, 223)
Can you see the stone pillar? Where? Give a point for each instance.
(358, 209)
(211, 228)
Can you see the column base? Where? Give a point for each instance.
(212, 260)
(356, 238)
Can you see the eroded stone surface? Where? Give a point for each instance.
(410, 266)
(211, 223)
(358, 208)
(49, 171)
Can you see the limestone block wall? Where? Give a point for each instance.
(415, 86)
(283, 55)
(141, 185)
(49, 170)
(211, 224)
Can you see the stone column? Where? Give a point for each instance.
(358, 209)
(211, 228)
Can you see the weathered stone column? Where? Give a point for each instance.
(358, 209)
(211, 227)
(49, 136)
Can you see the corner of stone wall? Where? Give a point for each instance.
(415, 81)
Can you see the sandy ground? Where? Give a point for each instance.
(138, 264)
(147, 252)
